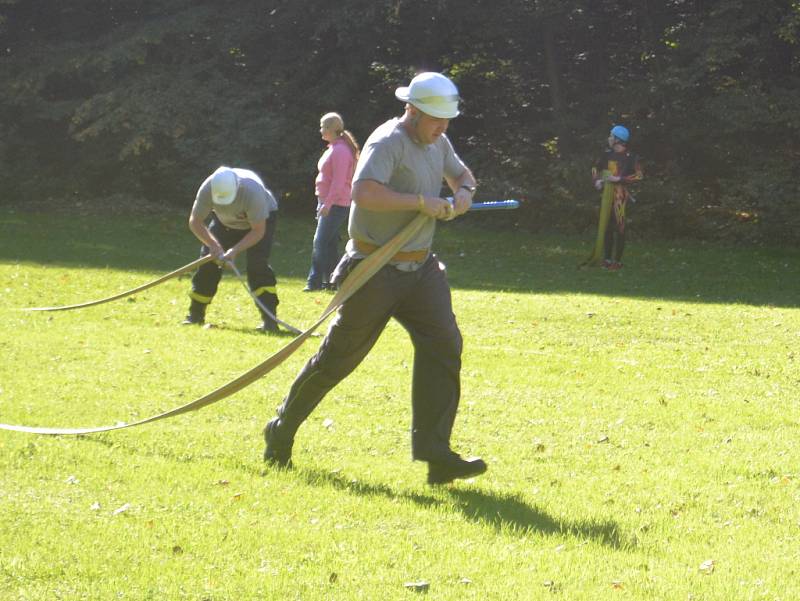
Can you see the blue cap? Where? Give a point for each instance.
(620, 132)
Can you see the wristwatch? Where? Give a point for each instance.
(470, 189)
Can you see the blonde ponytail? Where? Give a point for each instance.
(351, 142)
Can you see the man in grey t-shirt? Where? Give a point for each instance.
(243, 214)
(399, 174)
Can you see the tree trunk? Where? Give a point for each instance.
(554, 82)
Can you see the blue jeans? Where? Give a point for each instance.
(325, 253)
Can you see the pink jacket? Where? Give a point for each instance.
(335, 178)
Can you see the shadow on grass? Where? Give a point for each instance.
(477, 258)
(254, 331)
(507, 513)
(151, 243)
(689, 271)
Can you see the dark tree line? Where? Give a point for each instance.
(128, 99)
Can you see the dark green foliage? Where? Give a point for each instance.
(144, 98)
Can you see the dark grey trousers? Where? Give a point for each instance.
(421, 302)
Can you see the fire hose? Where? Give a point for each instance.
(156, 282)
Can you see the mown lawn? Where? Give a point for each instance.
(641, 428)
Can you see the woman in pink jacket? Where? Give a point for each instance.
(333, 187)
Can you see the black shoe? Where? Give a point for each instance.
(454, 467)
(193, 320)
(269, 326)
(277, 452)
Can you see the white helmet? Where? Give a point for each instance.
(433, 94)
(224, 185)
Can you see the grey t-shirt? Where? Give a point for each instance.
(253, 203)
(390, 157)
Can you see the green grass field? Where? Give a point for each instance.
(641, 428)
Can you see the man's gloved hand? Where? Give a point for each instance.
(598, 184)
(613, 178)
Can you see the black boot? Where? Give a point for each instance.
(278, 450)
(197, 314)
(270, 301)
(452, 467)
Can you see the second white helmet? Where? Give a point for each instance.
(224, 186)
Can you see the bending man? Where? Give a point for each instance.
(244, 215)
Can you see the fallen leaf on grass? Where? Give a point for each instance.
(707, 567)
(264, 567)
(122, 509)
(95, 506)
(617, 584)
(418, 587)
